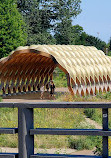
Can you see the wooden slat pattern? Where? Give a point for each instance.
(88, 70)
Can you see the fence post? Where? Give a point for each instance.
(105, 127)
(25, 140)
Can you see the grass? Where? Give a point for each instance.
(94, 114)
(102, 97)
(58, 118)
(82, 142)
(44, 118)
(47, 118)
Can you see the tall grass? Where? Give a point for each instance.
(58, 118)
(46, 118)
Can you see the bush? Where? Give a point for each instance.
(89, 112)
(98, 150)
(83, 142)
(94, 114)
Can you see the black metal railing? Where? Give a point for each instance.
(26, 129)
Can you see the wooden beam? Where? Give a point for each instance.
(69, 84)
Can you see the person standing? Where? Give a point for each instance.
(52, 89)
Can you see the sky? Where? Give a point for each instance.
(95, 18)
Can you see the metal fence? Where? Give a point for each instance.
(26, 129)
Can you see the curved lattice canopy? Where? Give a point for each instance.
(88, 70)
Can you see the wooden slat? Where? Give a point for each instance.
(56, 105)
(8, 130)
(56, 131)
(8, 155)
(63, 156)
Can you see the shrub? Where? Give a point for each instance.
(83, 142)
(94, 114)
(89, 112)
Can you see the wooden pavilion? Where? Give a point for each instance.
(88, 70)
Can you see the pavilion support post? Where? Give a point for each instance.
(6, 86)
(24, 89)
(27, 83)
(1, 85)
(34, 88)
(36, 82)
(19, 89)
(14, 90)
(17, 84)
(69, 84)
(32, 82)
(3, 90)
(41, 81)
(12, 85)
(46, 79)
(9, 91)
(51, 77)
(29, 88)
(22, 84)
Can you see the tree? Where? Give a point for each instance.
(12, 27)
(63, 33)
(65, 11)
(68, 34)
(38, 22)
(55, 10)
(89, 40)
(45, 17)
(110, 44)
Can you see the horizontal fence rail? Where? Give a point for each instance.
(63, 156)
(8, 155)
(51, 131)
(26, 129)
(56, 105)
(8, 130)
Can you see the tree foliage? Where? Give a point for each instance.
(53, 10)
(89, 40)
(68, 34)
(12, 32)
(110, 44)
(46, 17)
(47, 22)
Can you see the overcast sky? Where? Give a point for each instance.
(95, 18)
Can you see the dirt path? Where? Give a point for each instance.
(50, 151)
(93, 123)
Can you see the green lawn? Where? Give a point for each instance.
(58, 118)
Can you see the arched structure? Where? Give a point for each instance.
(88, 70)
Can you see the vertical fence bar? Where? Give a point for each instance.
(25, 140)
(105, 127)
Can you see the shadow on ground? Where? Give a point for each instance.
(32, 96)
